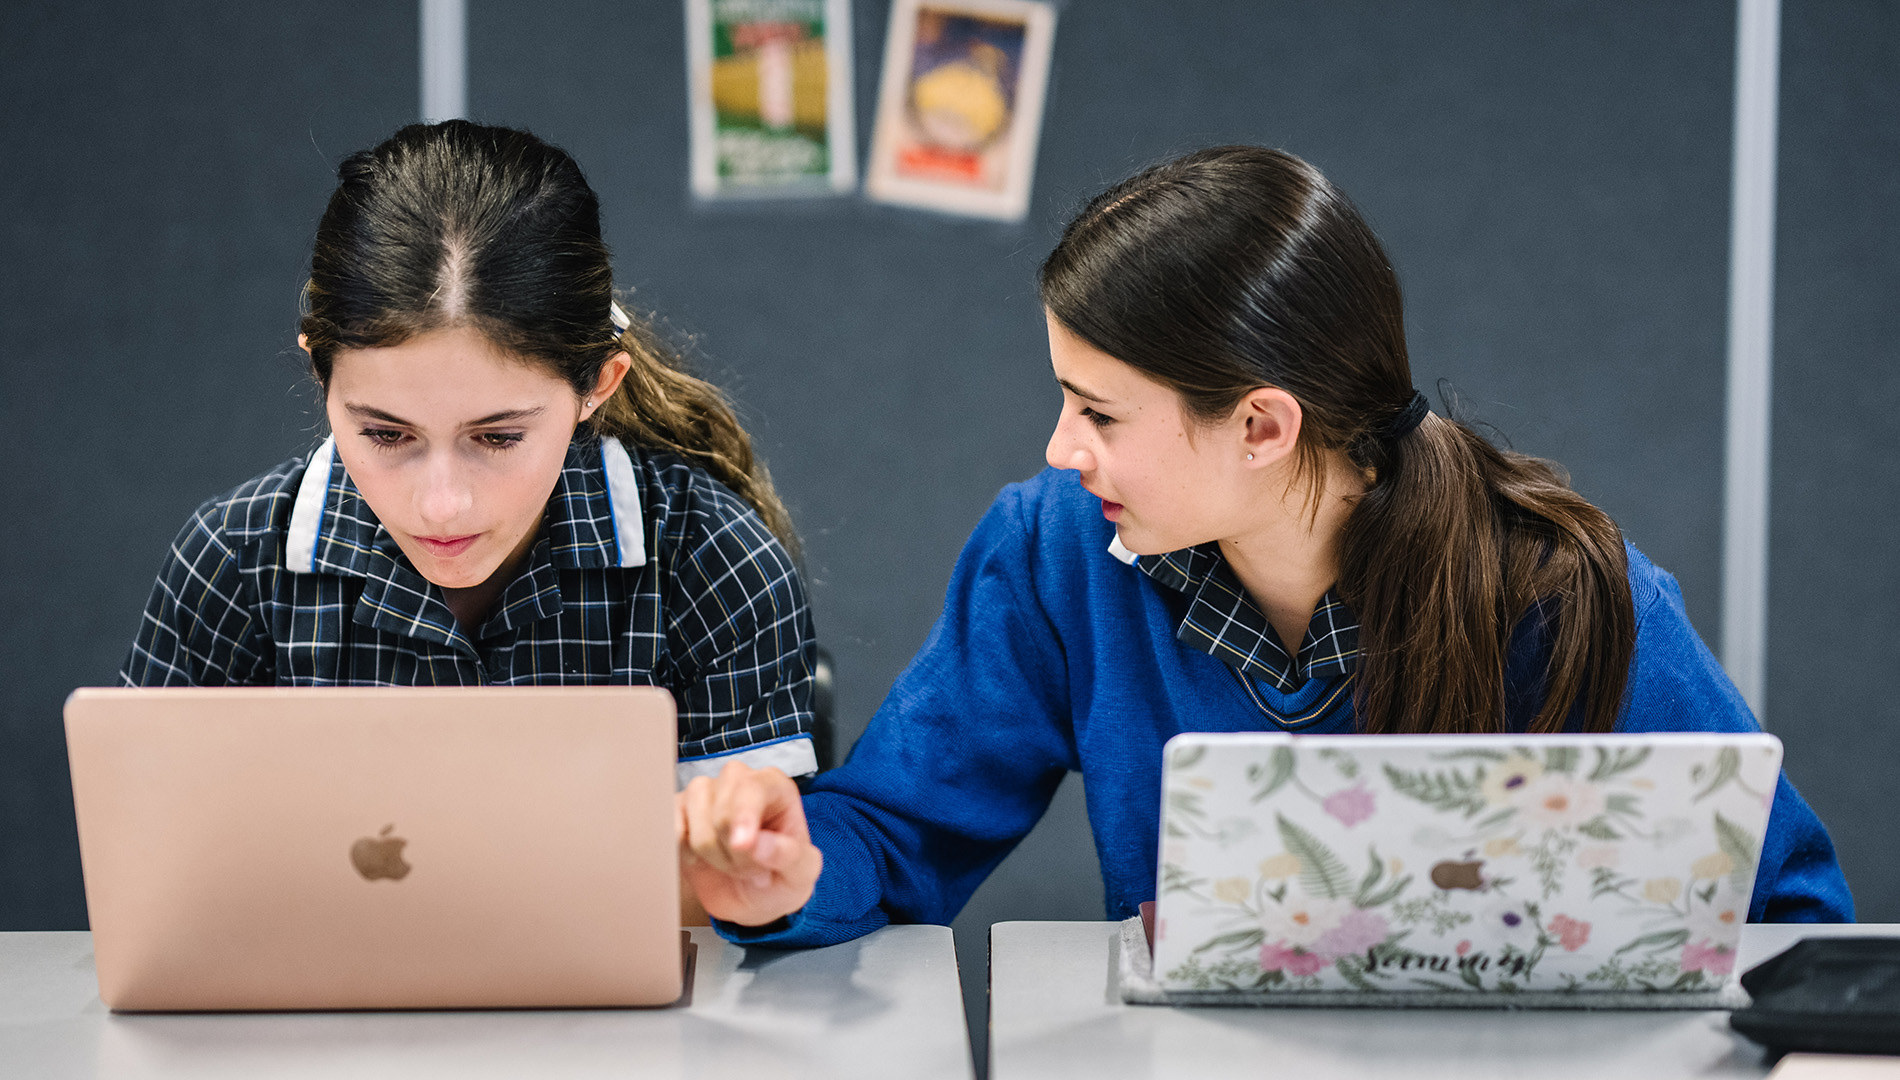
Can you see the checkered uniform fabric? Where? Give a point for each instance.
(1223, 622)
(716, 614)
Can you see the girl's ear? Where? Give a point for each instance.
(1270, 425)
(611, 375)
(304, 344)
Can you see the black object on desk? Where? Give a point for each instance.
(1838, 995)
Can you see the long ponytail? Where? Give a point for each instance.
(1452, 546)
(1239, 267)
(662, 405)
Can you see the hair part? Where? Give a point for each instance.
(460, 224)
(1239, 267)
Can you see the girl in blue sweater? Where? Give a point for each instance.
(1251, 521)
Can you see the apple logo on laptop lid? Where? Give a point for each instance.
(380, 856)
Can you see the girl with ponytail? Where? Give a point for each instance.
(522, 485)
(1251, 521)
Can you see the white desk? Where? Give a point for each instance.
(1055, 1011)
(887, 1005)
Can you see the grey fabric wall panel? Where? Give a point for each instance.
(163, 169)
(1551, 180)
(1834, 579)
(1552, 184)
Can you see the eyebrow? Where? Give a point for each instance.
(502, 417)
(1081, 393)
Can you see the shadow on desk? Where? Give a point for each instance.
(1056, 1012)
(1389, 1042)
(793, 988)
(378, 1044)
(886, 1005)
(810, 982)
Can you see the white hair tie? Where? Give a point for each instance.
(618, 315)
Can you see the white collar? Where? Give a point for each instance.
(308, 511)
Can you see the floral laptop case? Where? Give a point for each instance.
(1458, 864)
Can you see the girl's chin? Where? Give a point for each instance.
(1133, 536)
(1141, 542)
(459, 574)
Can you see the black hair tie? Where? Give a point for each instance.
(1410, 417)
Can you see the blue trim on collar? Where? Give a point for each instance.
(305, 532)
(623, 503)
(580, 521)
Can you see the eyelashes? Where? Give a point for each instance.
(393, 439)
(1096, 418)
(384, 438)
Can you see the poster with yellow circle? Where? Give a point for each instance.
(960, 107)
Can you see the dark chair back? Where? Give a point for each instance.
(823, 724)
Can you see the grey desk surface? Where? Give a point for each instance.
(1055, 1011)
(885, 1005)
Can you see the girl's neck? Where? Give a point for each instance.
(1288, 561)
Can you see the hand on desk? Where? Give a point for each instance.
(744, 847)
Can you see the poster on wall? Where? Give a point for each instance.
(959, 108)
(770, 95)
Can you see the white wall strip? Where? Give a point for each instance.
(444, 59)
(1750, 337)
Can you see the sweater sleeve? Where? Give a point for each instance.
(1676, 684)
(957, 765)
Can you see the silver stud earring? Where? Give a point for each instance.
(589, 403)
(1249, 457)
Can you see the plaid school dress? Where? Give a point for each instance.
(646, 572)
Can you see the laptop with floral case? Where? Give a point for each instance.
(1458, 864)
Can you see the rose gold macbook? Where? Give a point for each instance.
(401, 848)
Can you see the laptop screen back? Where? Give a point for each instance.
(1453, 864)
(378, 848)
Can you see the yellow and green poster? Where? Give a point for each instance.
(770, 97)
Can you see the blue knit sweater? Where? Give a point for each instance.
(1052, 655)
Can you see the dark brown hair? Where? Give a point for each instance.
(458, 224)
(1240, 267)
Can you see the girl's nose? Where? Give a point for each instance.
(1066, 451)
(444, 495)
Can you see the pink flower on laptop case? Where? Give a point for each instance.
(1458, 864)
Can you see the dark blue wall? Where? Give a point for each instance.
(1834, 577)
(1552, 180)
(162, 169)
